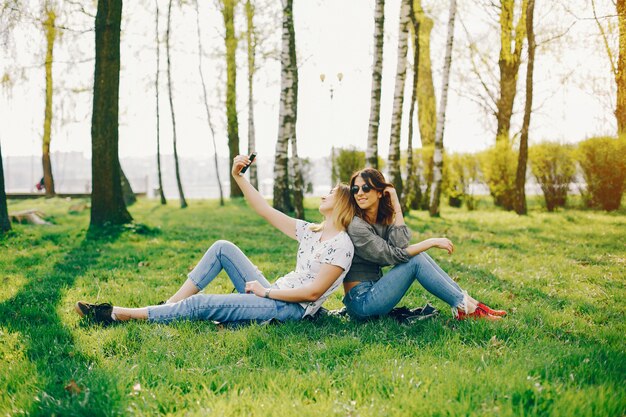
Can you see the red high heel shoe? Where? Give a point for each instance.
(499, 313)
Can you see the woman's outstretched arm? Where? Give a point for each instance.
(307, 293)
(279, 220)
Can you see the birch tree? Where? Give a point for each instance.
(377, 74)
(158, 114)
(287, 113)
(398, 97)
(435, 191)
(107, 202)
(181, 193)
(251, 38)
(520, 177)
(206, 104)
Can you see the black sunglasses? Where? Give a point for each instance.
(365, 187)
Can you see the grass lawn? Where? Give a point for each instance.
(560, 352)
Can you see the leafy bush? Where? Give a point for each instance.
(463, 170)
(603, 162)
(554, 167)
(499, 165)
(345, 162)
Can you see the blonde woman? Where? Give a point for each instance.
(323, 258)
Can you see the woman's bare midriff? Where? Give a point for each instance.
(347, 286)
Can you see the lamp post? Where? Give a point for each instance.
(333, 86)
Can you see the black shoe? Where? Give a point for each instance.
(407, 316)
(98, 313)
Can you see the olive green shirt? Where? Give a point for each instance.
(375, 246)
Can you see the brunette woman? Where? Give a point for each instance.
(381, 238)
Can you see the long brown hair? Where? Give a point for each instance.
(375, 179)
(344, 209)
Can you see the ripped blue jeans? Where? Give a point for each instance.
(377, 298)
(226, 307)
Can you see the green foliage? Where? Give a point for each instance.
(603, 162)
(345, 161)
(499, 165)
(560, 352)
(554, 167)
(462, 171)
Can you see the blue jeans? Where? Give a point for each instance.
(377, 298)
(226, 307)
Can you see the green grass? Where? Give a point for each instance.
(561, 351)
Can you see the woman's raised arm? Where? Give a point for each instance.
(279, 220)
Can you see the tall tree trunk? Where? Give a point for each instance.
(51, 33)
(298, 182)
(426, 106)
(107, 202)
(228, 13)
(398, 97)
(252, 41)
(620, 76)
(287, 113)
(206, 104)
(5, 223)
(509, 63)
(520, 177)
(377, 75)
(183, 202)
(411, 178)
(435, 191)
(158, 114)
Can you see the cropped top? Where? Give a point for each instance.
(375, 246)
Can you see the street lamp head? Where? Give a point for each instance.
(322, 77)
(340, 76)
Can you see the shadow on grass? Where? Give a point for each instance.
(50, 344)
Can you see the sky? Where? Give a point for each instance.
(573, 87)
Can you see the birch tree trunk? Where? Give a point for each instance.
(377, 75)
(298, 182)
(206, 104)
(158, 115)
(252, 41)
(183, 202)
(435, 191)
(509, 63)
(398, 97)
(5, 223)
(107, 202)
(228, 13)
(287, 114)
(50, 30)
(520, 177)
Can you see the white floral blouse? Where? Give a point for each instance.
(312, 254)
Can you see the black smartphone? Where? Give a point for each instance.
(244, 169)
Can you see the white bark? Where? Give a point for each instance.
(371, 154)
(435, 191)
(398, 96)
(286, 118)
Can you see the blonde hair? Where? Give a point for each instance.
(344, 210)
